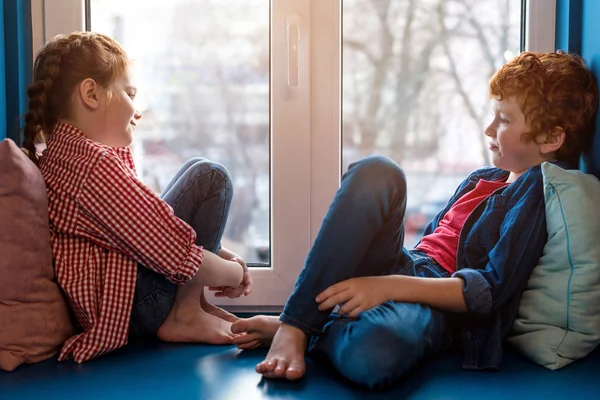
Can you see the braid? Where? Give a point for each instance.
(35, 118)
(59, 67)
(40, 117)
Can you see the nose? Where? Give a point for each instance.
(137, 115)
(489, 130)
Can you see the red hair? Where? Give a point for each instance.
(554, 90)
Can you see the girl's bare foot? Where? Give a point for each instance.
(216, 311)
(255, 331)
(196, 326)
(286, 355)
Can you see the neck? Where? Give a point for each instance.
(513, 176)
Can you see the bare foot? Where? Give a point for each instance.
(286, 355)
(216, 311)
(197, 327)
(255, 332)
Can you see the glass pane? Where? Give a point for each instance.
(415, 76)
(202, 70)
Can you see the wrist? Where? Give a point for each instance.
(227, 254)
(240, 272)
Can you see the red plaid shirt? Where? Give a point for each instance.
(103, 221)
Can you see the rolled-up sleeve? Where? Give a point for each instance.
(476, 290)
(121, 213)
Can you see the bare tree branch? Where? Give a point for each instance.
(457, 80)
(362, 48)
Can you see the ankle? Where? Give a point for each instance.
(292, 330)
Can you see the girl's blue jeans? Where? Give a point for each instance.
(362, 235)
(200, 194)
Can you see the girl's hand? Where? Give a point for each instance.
(244, 288)
(355, 295)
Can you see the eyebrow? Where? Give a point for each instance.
(503, 110)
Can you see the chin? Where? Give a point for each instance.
(497, 163)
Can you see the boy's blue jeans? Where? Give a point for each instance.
(362, 235)
(200, 194)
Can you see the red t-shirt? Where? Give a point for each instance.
(442, 244)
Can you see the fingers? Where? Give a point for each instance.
(240, 326)
(349, 306)
(330, 291)
(249, 346)
(245, 338)
(249, 287)
(354, 313)
(336, 299)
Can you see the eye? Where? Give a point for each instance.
(131, 95)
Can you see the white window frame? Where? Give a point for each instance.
(305, 125)
(540, 26)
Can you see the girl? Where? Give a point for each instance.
(131, 264)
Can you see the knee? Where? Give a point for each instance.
(374, 173)
(217, 171)
(376, 357)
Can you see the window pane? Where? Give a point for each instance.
(415, 76)
(202, 69)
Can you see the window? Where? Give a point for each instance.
(415, 77)
(223, 80)
(202, 69)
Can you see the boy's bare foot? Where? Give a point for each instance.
(286, 355)
(255, 332)
(197, 327)
(216, 311)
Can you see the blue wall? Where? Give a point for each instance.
(15, 41)
(2, 73)
(577, 30)
(590, 50)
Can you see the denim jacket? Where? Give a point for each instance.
(499, 245)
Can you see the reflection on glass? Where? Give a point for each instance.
(415, 75)
(202, 68)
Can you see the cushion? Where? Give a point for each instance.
(34, 317)
(559, 314)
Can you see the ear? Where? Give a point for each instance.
(554, 141)
(89, 93)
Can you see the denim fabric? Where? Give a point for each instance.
(200, 194)
(384, 343)
(362, 235)
(500, 244)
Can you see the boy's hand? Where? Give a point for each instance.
(355, 295)
(244, 288)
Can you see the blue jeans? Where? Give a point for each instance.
(362, 235)
(200, 194)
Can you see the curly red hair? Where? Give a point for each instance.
(554, 90)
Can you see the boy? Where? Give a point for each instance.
(470, 268)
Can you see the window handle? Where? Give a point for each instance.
(292, 23)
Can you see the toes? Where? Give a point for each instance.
(266, 366)
(296, 370)
(280, 369)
